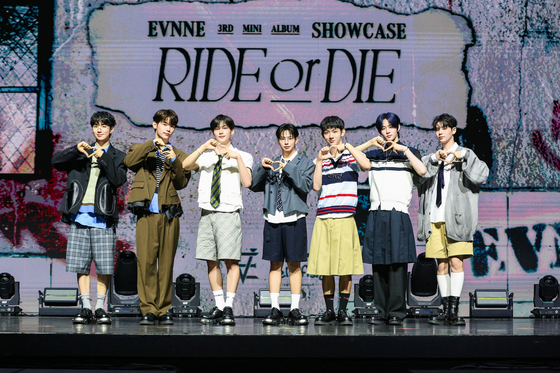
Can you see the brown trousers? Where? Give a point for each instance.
(156, 245)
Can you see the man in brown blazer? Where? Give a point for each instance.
(154, 200)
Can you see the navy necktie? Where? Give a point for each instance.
(440, 184)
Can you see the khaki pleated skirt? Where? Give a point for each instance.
(335, 248)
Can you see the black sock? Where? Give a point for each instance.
(343, 302)
(329, 300)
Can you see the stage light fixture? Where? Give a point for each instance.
(185, 286)
(7, 285)
(126, 273)
(122, 297)
(364, 303)
(9, 295)
(491, 303)
(58, 302)
(262, 302)
(546, 299)
(422, 282)
(186, 296)
(548, 288)
(366, 288)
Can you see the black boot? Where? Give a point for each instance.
(442, 316)
(453, 313)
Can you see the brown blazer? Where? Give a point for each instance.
(141, 159)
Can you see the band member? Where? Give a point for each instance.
(154, 200)
(335, 245)
(285, 181)
(448, 212)
(89, 205)
(389, 238)
(223, 172)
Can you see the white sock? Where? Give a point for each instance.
(85, 301)
(457, 279)
(274, 299)
(219, 298)
(100, 301)
(295, 301)
(443, 283)
(229, 299)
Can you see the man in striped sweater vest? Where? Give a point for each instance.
(335, 245)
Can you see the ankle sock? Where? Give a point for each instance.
(275, 300)
(100, 301)
(85, 301)
(295, 301)
(343, 301)
(329, 301)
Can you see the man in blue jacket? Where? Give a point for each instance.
(448, 212)
(89, 205)
(285, 182)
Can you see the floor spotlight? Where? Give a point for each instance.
(186, 297)
(422, 282)
(364, 304)
(546, 299)
(122, 297)
(58, 302)
(491, 303)
(9, 295)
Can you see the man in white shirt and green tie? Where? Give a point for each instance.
(223, 171)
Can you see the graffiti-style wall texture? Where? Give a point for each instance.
(494, 65)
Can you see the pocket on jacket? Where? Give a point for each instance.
(137, 184)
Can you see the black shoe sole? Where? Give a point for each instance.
(345, 323)
(210, 321)
(227, 322)
(81, 322)
(297, 322)
(377, 322)
(146, 322)
(169, 322)
(436, 322)
(325, 322)
(456, 323)
(272, 322)
(103, 321)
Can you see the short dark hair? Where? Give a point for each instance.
(392, 118)
(332, 122)
(446, 121)
(163, 114)
(104, 118)
(287, 127)
(222, 118)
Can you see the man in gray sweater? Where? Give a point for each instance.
(448, 212)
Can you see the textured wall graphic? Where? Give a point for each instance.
(494, 65)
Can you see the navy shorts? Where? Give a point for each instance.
(285, 241)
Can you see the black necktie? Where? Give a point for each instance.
(440, 184)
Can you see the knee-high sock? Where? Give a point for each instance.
(457, 279)
(443, 283)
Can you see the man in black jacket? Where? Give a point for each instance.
(89, 205)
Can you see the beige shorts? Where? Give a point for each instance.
(439, 246)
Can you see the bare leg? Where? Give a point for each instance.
(275, 277)
(295, 277)
(215, 275)
(232, 279)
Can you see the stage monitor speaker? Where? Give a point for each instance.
(126, 274)
(262, 302)
(491, 303)
(58, 302)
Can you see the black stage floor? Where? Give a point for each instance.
(47, 342)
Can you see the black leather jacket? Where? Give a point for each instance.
(77, 166)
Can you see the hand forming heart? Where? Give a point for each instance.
(83, 147)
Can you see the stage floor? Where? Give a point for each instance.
(34, 338)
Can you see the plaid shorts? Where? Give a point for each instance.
(219, 236)
(86, 244)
